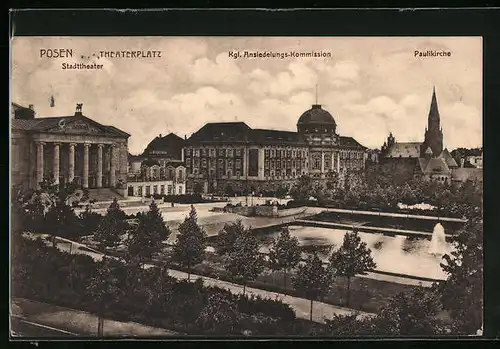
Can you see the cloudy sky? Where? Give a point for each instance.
(370, 85)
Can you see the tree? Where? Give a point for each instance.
(302, 189)
(189, 249)
(105, 290)
(312, 279)
(281, 192)
(462, 292)
(410, 314)
(198, 188)
(351, 259)
(227, 237)
(218, 316)
(285, 253)
(244, 261)
(112, 226)
(147, 239)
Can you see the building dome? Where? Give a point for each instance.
(316, 120)
(316, 115)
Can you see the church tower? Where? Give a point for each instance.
(433, 132)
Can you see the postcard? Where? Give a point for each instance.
(248, 187)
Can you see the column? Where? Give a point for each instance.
(332, 164)
(322, 162)
(86, 148)
(261, 164)
(338, 162)
(71, 175)
(56, 163)
(245, 162)
(39, 163)
(99, 165)
(112, 168)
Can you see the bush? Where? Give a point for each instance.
(46, 274)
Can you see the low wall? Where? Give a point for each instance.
(253, 211)
(291, 211)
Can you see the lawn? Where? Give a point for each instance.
(366, 295)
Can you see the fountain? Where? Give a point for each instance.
(438, 244)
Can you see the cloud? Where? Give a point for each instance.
(223, 71)
(297, 76)
(371, 86)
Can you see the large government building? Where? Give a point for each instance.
(65, 149)
(233, 154)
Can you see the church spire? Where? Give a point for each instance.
(434, 119)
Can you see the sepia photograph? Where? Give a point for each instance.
(171, 187)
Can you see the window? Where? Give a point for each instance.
(196, 162)
(238, 163)
(273, 163)
(155, 189)
(316, 161)
(278, 164)
(188, 162)
(197, 152)
(188, 151)
(180, 175)
(204, 163)
(222, 152)
(180, 190)
(237, 152)
(238, 174)
(229, 163)
(221, 163)
(203, 152)
(230, 152)
(195, 171)
(273, 153)
(148, 190)
(293, 153)
(288, 153)
(266, 164)
(266, 173)
(162, 190)
(169, 190)
(288, 164)
(266, 153)
(139, 191)
(212, 152)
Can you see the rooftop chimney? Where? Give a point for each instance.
(31, 107)
(185, 137)
(159, 135)
(462, 161)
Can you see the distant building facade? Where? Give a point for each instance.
(159, 170)
(67, 149)
(233, 154)
(427, 159)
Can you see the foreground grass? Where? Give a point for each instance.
(367, 295)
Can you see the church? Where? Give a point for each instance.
(428, 159)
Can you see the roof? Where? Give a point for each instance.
(404, 150)
(220, 132)
(263, 136)
(170, 145)
(445, 154)
(433, 165)
(316, 115)
(349, 142)
(47, 124)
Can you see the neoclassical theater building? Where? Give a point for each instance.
(65, 149)
(232, 153)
